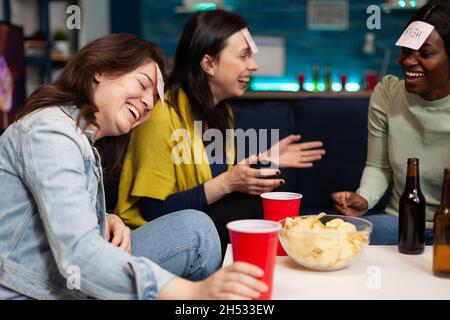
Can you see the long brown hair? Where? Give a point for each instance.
(207, 32)
(116, 55)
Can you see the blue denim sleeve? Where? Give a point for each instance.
(54, 171)
(190, 199)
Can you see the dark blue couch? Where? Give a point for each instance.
(341, 123)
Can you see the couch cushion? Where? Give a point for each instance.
(267, 114)
(261, 114)
(342, 125)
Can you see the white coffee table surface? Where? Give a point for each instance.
(380, 272)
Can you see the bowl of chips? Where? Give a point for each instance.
(324, 242)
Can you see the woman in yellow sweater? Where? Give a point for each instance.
(169, 164)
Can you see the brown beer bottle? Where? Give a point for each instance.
(441, 242)
(411, 228)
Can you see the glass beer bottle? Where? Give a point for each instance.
(328, 78)
(316, 77)
(441, 242)
(411, 231)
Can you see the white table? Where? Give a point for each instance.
(380, 272)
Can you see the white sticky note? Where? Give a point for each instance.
(160, 84)
(415, 35)
(250, 40)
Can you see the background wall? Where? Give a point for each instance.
(25, 13)
(288, 18)
(95, 22)
(156, 20)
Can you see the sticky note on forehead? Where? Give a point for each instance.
(250, 41)
(160, 84)
(415, 35)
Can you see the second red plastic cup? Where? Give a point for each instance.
(280, 205)
(256, 241)
(371, 80)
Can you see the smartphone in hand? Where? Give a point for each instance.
(266, 165)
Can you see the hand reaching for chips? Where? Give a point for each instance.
(320, 246)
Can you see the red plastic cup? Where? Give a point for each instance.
(280, 205)
(255, 242)
(301, 80)
(343, 78)
(371, 80)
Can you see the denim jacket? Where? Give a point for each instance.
(52, 216)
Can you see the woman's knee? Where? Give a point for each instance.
(200, 224)
(196, 221)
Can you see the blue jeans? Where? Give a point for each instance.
(185, 243)
(385, 229)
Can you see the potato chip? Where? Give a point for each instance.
(334, 223)
(331, 245)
